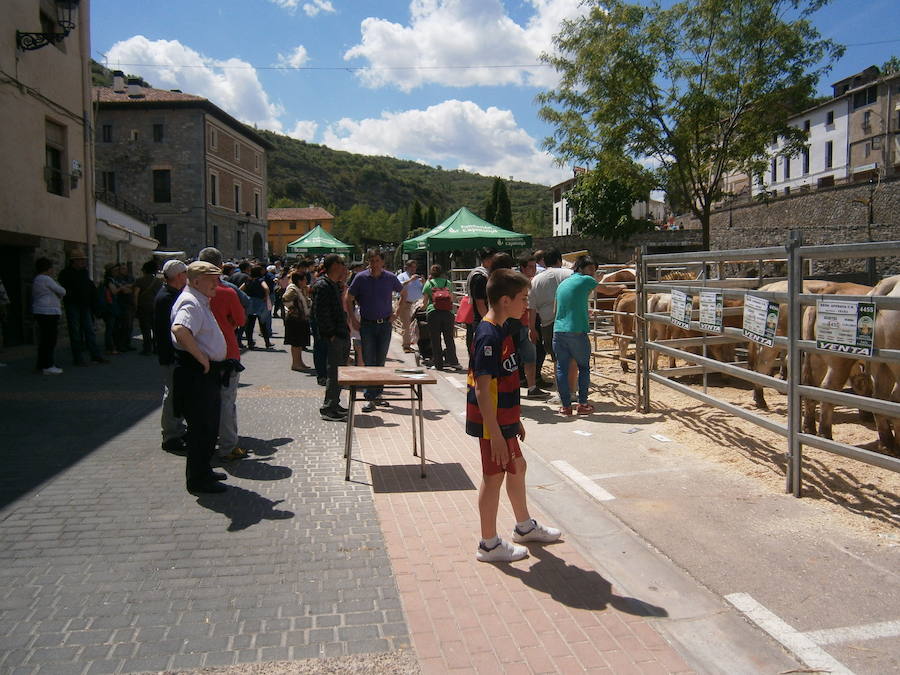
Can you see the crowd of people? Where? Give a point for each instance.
(199, 318)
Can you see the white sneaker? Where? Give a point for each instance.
(554, 400)
(52, 370)
(538, 533)
(504, 551)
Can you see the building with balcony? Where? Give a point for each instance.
(46, 186)
(199, 172)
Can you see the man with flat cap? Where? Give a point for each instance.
(80, 302)
(200, 352)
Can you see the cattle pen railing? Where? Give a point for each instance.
(792, 256)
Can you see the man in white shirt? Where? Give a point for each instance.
(413, 284)
(542, 296)
(200, 351)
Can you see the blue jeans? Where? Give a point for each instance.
(376, 338)
(569, 347)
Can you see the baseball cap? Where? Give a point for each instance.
(199, 268)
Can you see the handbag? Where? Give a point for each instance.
(466, 311)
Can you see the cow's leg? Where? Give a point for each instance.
(765, 364)
(807, 376)
(835, 379)
(884, 386)
(861, 382)
(623, 353)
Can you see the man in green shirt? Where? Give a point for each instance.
(570, 334)
(440, 319)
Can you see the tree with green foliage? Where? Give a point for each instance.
(602, 205)
(498, 209)
(701, 87)
(416, 220)
(891, 66)
(431, 217)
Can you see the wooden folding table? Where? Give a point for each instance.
(356, 378)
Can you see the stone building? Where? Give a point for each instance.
(288, 224)
(198, 171)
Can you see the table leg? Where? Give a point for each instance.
(412, 416)
(421, 429)
(348, 439)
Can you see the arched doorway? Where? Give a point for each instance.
(257, 245)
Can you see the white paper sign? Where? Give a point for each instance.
(760, 320)
(680, 312)
(845, 326)
(711, 311)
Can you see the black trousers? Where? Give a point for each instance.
(198, 398)
(440, 325)
(48, 329)
(338, 352)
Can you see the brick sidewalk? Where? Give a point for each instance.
(550, 612)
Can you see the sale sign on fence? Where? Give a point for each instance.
(680, 312)
(760, 320)
(711, 311)
(845, 326)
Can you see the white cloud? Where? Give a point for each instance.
(454, 133)
(316, 6)
(304, 130)
(231, 84)
(311, 8)
(296, 59)
(461, 33)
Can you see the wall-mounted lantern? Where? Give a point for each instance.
(66, 11)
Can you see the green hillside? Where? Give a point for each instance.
(382, 189)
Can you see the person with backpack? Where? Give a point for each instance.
(439, 315)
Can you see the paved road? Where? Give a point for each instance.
(109, 565)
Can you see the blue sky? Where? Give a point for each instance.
(370, 77)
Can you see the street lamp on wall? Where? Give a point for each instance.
(66, 11)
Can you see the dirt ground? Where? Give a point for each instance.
(866, 498)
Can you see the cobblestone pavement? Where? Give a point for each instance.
(107, 564)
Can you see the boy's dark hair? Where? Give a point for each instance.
(244, 266)
(257, 271)
(505, 283)
(297, 277)
(436, 270)
(552, 257)
(330, 260)
(502, 261)
(41, 265)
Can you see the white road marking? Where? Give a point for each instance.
(871, 631)
(802, 646)
(582, 481)
(624, 474)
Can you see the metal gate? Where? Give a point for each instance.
(792, 258)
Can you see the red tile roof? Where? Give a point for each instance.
(107, 95)
(310, 213)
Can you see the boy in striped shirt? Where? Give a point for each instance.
(492, 415)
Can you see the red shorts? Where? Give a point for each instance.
(488, 466)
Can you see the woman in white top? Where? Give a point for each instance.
(45, 305)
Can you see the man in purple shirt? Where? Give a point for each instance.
(373, 289)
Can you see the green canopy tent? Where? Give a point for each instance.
(464, 231)
(318, 240)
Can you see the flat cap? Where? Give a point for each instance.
(199, 268)
(173, 268)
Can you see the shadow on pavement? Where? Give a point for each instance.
(262, 447)
(407, 477)
(51, 423)
(576, 587)
(243, 507)
(257, 469)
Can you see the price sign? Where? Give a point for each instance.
(712, 305)
(760, 320)
(845, 326)
(680, 312)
